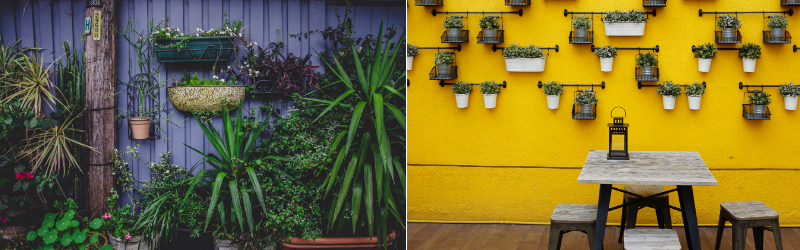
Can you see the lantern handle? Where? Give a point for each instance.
(623, 110)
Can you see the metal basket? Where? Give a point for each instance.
(428, 2)
(588, 40)
(463, 39)
(577, 115)
(518, 2)
(785, 39)
(719, 39)
(498, 39)
(790, 2)
(654, 3)
(747, 113)
(435, 74)
(650, 78)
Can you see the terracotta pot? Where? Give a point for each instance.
(101, 238)
(336, 242)
(140, 128)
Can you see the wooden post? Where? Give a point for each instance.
(101, 84)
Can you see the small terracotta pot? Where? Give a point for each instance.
(337, 242)
(102, 240)
(140, 128)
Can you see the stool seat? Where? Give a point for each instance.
(574, 214)
(652, 239)
(749, 210)
(645, 190)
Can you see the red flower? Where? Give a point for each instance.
(24, 176)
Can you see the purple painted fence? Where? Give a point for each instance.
(48, 23)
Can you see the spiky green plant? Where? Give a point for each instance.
(10, 57)
(32, 85)
(51, 149)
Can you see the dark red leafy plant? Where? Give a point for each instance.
(286, 73)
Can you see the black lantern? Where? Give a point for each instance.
(618, 137)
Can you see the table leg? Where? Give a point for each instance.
(686, 197)
(602, 216)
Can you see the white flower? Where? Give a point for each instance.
(240, 34)
(198, 34)
(198, 29)
(229, 67)
(255, 43)
(177, 29)
(215, 77)
(223, 80)
(167, 33)
(256, 72)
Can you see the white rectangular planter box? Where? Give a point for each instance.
(525, 64)
(624, 29)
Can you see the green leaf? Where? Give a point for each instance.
(50, 237)
(257, 188)
(31, 236)
(237, 208)
(34, 122)
(69, 214)
(16, 186)
(19, 168)
(78, 237)
(380, 132)
(50, 216)
(356, 203)
(334, 103)
(348, 177)
(248, 208)
(394, 91)
(398, 115)
(82, 246)
(214, 197)
(63, 224)
(93, 239)
(74, 223)
(8, 120)
(46, 225)
(65, 241)
(48, 247)
(368, 196)
(96, 223)
(106, 247)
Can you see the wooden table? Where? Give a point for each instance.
(682, 169)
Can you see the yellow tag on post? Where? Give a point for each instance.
(97, 23)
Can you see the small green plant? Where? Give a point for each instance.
(669, 89)
(695, 89)
(444, 58)
(760, 98)
(789, 89)
(750, 51)
(636, 16)
(777, 21)
(517, 51)
(489, 22)
(553, 88)
(633, 16)
(706, 51)
(533, 51)
(412, 50)
(63, 230)
(605, 52)
(453, 22)
(727, 21)
(490, 88)
(196, 81)
(462, 88)
(586, 98)
(646, 60)
(581, 22)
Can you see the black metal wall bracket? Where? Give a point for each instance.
(656, 48)
(495, 48)
(602, 85)
(794, 48)
(442, 83)
(741, 86)
(434, 12)
(566, 13)
(656, 85)
(456, 48)
(790, 12)
(695, 48)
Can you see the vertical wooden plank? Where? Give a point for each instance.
(123, 65)
(293, 21)
(362, 20)
(157, 12)
(65, 17)
(275, 21)
(175, 12)
(304, 26)
(43, 28)
(330, 18)
(316, 21)
(139, 16)
(56, 24)
(397, 17)
(9, 23)
(78, 17)
(214, 15)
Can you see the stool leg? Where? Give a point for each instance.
(632, 213)
(590, 235)
(758, 238)
(622, 223)
(720, 229)
(659, 217)
(667, 217)
(739, 236)
(776, 231)
(555, 238)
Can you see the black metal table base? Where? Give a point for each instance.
(687, 209)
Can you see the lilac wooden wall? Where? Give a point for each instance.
(48, 23)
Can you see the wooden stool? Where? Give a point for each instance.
(748, 214)
(572, 217)
(630, 212)
(652, 239)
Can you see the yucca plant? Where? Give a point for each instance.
(10, 57)
(234, 144)
(51, 148)
(31, 86)
(367, 170)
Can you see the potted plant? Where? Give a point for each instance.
(271, 72)
(67, 230)
(585, 100)
(490, 89)
(411, 52)
(789, 92)
(173, 45)
(777, 24)
(631, 23)
(444, 61)
(581, 24)
(694, 91)
(462, 90)
(606, 55)
(200, 95)
(646, 61)
(524, 59)
(453, 24)
(669, 92)
(704, 54)
(119, 221)
(489, 25)
(553, 91)
(749, 52)
(729, 24)
(758, 101)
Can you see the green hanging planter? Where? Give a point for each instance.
(196, 49)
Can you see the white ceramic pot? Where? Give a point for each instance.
(606, 64)
(409, 61)
(790, 102)
(135, 243)
(624, 29)
(749, 65)
(525, 64)
(462, 101)
(490, 101)
(694, 102)
(669, 102)
(552, 101)
(704, 64)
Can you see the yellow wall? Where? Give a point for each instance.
(515, 163)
